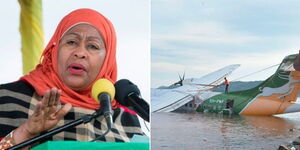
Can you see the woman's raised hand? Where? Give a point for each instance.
(46, 115)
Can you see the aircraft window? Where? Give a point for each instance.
(286, 64)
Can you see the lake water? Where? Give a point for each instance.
(196, 131)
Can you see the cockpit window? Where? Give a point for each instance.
(287, 63)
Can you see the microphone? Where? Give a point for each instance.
(104, 91)
(128, 94)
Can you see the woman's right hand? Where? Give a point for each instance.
(46, 115)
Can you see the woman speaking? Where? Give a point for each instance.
(58, 91)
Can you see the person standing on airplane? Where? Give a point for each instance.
(226, 85)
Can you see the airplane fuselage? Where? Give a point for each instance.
(276, 95)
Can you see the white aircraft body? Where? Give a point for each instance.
(173, 97)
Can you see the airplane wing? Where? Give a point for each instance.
(166, 100)
(214, 78)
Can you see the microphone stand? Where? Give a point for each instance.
(84, 119)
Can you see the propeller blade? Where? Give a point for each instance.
(179, 76)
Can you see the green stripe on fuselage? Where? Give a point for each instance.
(217, 103)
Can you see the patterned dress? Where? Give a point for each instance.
(18, 101)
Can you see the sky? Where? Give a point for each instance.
(201, 36)
(132, 24)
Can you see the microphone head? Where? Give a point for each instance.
(101, 86)
(123, 88)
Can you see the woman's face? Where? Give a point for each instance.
(81, 54)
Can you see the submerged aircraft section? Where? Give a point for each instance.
(166, 100)
(276, 95)
(169, 99)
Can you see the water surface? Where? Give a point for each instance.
(180, 131)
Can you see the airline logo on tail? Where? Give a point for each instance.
(279, 92)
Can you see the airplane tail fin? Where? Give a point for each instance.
(279, 92)
(285, 80)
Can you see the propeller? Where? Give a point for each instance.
(180, 79)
